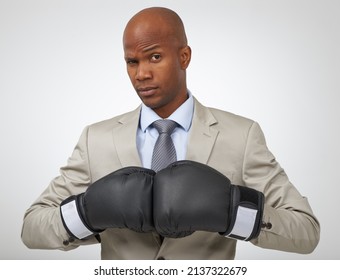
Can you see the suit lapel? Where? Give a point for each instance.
(202, 135)
(124, 137)
(201, 141)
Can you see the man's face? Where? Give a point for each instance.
(156, 67)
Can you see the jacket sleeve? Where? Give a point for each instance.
(42, 226)
(289, 222)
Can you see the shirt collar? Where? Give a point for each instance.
(183, 115)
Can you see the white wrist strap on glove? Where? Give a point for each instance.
(244, 223)
(73, 221)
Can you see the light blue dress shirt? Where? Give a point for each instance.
(147, 134)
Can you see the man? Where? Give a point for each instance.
(228, 188)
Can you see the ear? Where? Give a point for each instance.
(185, 57)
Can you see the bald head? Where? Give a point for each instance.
(161, 22)
(157, 56)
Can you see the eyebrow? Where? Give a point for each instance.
(145, 50)
(150, 48)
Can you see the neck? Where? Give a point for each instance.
(166, 111)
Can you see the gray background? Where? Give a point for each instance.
(62, 67)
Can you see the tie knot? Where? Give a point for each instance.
(165, 126)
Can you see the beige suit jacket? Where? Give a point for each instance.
(233, 145)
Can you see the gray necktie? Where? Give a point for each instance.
(164, 151)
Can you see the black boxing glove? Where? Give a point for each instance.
(122, 199)
(190, 196)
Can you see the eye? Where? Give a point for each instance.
(155, 57)
(131, 61)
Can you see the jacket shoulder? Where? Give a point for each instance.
(115, 121)
(228, 117)
(217, 117)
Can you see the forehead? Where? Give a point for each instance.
(141, 39)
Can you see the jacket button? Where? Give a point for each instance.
(160, 258)
(67, 242)
(266, 225)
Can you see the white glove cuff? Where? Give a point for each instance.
(244, 223)
(73, 221)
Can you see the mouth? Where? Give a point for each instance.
(146, 91)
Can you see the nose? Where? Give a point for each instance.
(143, 72)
